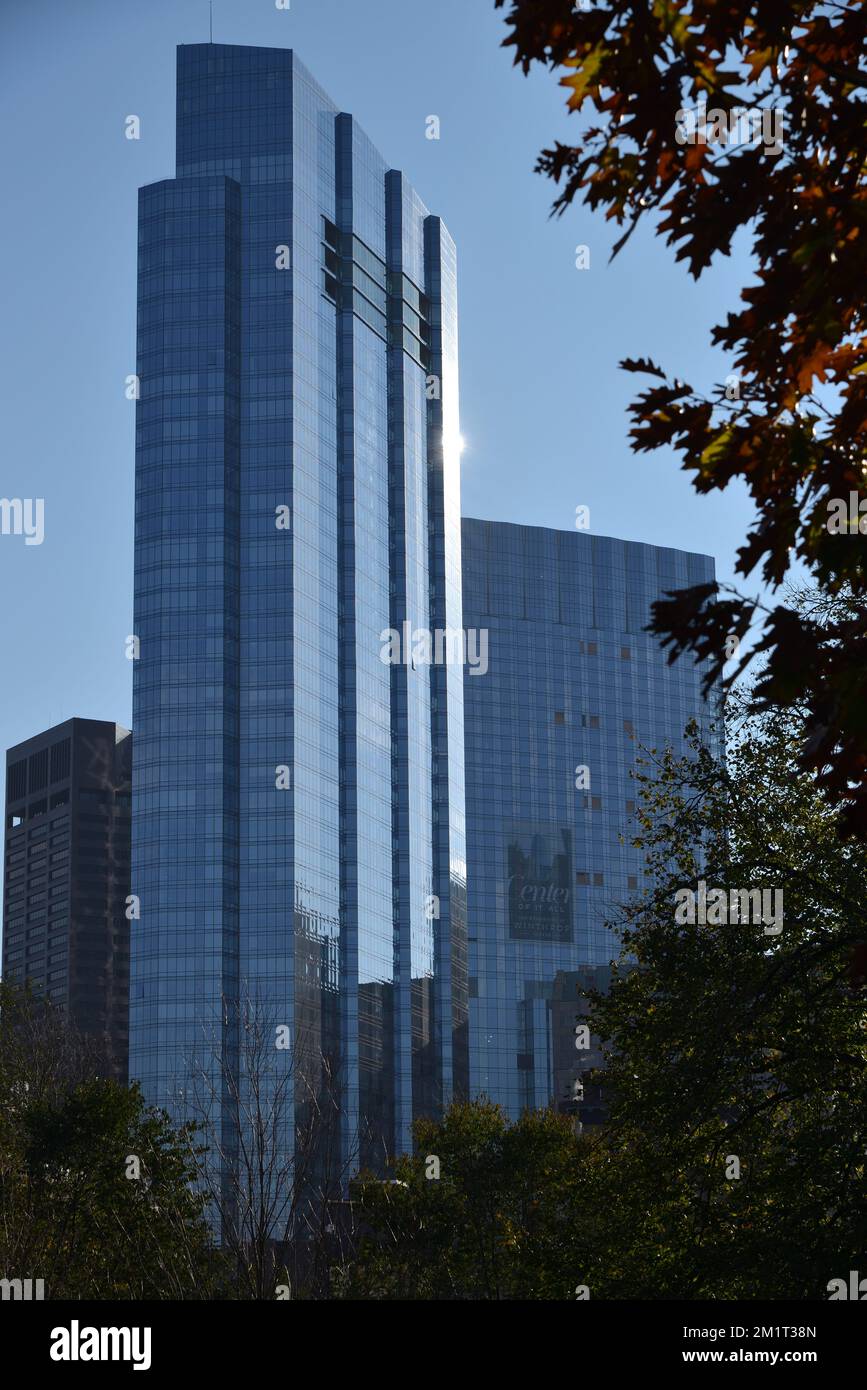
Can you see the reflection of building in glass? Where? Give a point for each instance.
(572, 1093)
(573, 686)
(540, 883)
(299, 813)
(67, 874)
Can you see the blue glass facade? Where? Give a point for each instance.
(573, 685)
(298, 802)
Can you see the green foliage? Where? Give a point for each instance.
(721, 1042)
(498, 1223)
(725, 1041)
(72, 1210)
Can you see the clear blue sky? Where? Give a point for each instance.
(543, 402)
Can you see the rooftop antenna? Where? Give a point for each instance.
(211, 10)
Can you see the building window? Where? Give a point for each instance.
(16, 781)
(60, 759)
(38, 777)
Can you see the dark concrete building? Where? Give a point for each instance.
(67, 876)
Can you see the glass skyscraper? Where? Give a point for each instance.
(298, 807)
(573, 687)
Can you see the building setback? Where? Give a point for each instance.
(573, 687)
(298, 831)
(67, 876)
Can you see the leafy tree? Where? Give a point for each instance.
(97, 1192)
(496, 1223)
(734, 1158)
(792, 418)
(734, 1164)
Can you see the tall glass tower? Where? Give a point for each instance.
(298, 802)
(575, 687)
